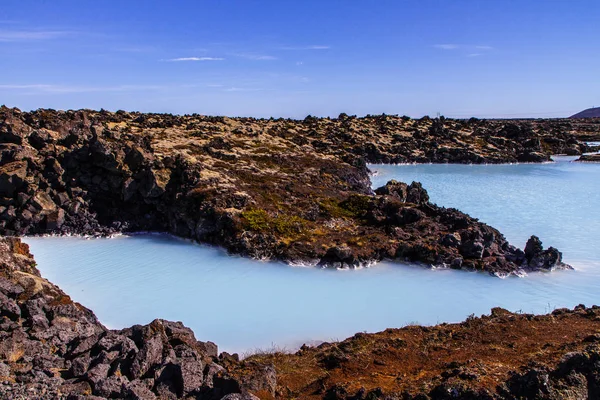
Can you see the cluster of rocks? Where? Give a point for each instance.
(472, 142)
(297, 191)
(54, 348)
(469, 244)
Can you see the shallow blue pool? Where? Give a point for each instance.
(243, 304)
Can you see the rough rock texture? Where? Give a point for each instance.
(500, 356)
(297, 191)
(54, 348)
(589, 158)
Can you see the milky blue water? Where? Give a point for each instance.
(243, 304)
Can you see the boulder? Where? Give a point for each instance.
(395, 189)
(472, 249)
(9, 308)
(150, 355)
(139, 390)
(39, 138)
(43, 202)
(532, 156)
(533, 247)
(192, 377)
(111, 387)
(409, 215)
(136, 158)
(451, 240)
(337, 256)
(264, 379)
(97, 374)
(416, 194)
(12, 177)
(55, 219)
(152, 183)
(539, 259)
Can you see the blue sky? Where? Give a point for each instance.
(481, 58)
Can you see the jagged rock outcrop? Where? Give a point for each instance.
(54, 348)
(296, 191)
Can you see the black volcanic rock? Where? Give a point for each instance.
(254, 187)
(540, 259)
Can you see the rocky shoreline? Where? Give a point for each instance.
(54, 348)
(291, 190)
(296, 191)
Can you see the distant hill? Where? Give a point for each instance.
(589, 113)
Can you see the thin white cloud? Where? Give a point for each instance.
(313, 47)
(447, 46)
(16, 87)
(30, 35)
(474, 54)
(194, 59)
(239, 89)
(136, 49)
(256, 57)
(466, 47)
(58, 89)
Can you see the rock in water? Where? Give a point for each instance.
(540, 259)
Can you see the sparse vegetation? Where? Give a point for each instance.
(282, 224)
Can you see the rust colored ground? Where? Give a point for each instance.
(481, 353)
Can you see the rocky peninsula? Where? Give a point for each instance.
(291, 190)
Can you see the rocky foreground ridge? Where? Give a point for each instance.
(499, 356)
(296, 191)
(54, 348)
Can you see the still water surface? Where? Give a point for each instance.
(243, 304)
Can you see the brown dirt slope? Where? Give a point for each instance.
(500, 356)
